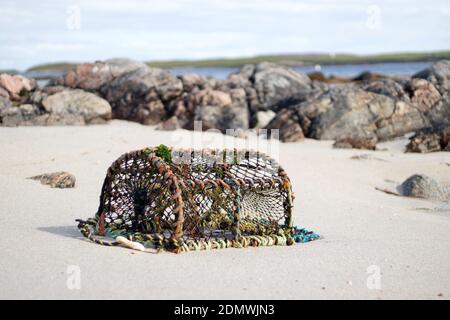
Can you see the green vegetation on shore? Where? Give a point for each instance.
(287, 59)
(58, 66)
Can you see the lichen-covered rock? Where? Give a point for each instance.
(424, 95)
(140, 95)
(56, 179)
(25, 114)
(272, 83)
(16, 85)
(210, 97)
(348, 111)
(92, 76)
(422, 186)
(438, 74)
(387, 87)
(74, 106)
(430, 140)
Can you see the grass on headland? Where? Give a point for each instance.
(305, 59)
(287, 59)
(59, 66)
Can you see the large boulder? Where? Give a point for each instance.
(74, 106)
(347, 111)
(272, 83)
(140, 95)
(92, 76)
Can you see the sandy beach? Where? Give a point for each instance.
(407, 239)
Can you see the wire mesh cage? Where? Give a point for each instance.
(183, 200)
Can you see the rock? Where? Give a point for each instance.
(4, 93)
(438, 74)
(387, 87)
(56, 179)
(26, 114)
(272, 83)
(221, 110)
(405, 118)
(150, 113)
(209, 97)
(359, 115)
(222, 118)
(422, 186)
(321, 78)
(286, 122)
(75, 106)
(347, 111)
(424, 95)
(191, 81)
(92, 76)
(263, 118)
(430, 140)
(140, 95)
(4, 104)
(356, 143)
(170, 124)
(16, 85)
(368, 76)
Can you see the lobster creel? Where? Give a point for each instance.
(183, 199)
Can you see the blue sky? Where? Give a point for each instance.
(33, 32)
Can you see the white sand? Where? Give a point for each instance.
(408, 239)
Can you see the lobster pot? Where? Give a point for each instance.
(182, 200)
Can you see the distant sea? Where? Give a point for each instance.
(340, 70)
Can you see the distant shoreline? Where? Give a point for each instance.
(286, 59)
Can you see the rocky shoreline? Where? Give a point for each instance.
(355, 114)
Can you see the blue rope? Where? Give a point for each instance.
(302, 235)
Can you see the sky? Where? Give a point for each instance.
(35, 32)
